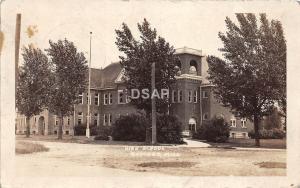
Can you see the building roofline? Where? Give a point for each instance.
(186, 50)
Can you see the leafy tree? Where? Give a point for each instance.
(138, 58)
(33, 86)
(251, 77)
(70, 72)
(273, 121)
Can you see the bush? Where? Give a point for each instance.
(103, 133)
(268, 134)
(130, 128)
(169, 130)
(80, 130)
(215, 130)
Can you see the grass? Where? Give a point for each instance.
(248, 143)
(27, 148)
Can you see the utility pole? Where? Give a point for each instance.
(153, 104)
(89, 92)
(17, 48)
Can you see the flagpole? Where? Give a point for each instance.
(89, 92)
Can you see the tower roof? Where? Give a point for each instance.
(186, 50)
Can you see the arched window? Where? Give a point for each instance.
(193, 67)
(178, 68)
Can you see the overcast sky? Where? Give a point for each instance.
(193, 24)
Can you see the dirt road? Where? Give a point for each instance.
(90, 160)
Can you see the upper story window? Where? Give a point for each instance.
(174, 96)
(110, 98)
(243, 121)
(178, 68)
(105, 99)
(80, 98)
(179, 96)
(121, 97)
(233, 122)
(204, 94)
(193, 67)
(88, 101)
(195, 96)
(190, 96)
(97, 99)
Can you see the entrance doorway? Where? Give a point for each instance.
(41, 127)
(192, 125)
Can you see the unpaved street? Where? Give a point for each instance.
(90, 160)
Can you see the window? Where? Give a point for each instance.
(110, 98)
(121, 97)
(97, 99)
(109, 119)
(205, 94)
(174, 96)
(56, 120)
(195, 96)
(205, 116)
(96, 119)
(67, 132)
(243, 121)
(105, 99)
(88, 100)
(233, 135)
(68, 121)
(193, 67)
(80, 97)
(190, 96)
(127, 97)
(105, 120)
(233, 122)
(179, 96)
(80, 117)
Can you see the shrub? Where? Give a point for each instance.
(80, 130)
(215, 130)
(169, 130)
(130, 128)
(103, 133)
(268, 134)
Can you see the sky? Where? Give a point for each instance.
(194, 24)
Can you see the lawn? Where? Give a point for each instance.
(29, 147)
(250, 143)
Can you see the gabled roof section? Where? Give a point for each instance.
(105, 78)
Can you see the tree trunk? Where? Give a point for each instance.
(27, 127)
(60, 127)
(256, 130)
